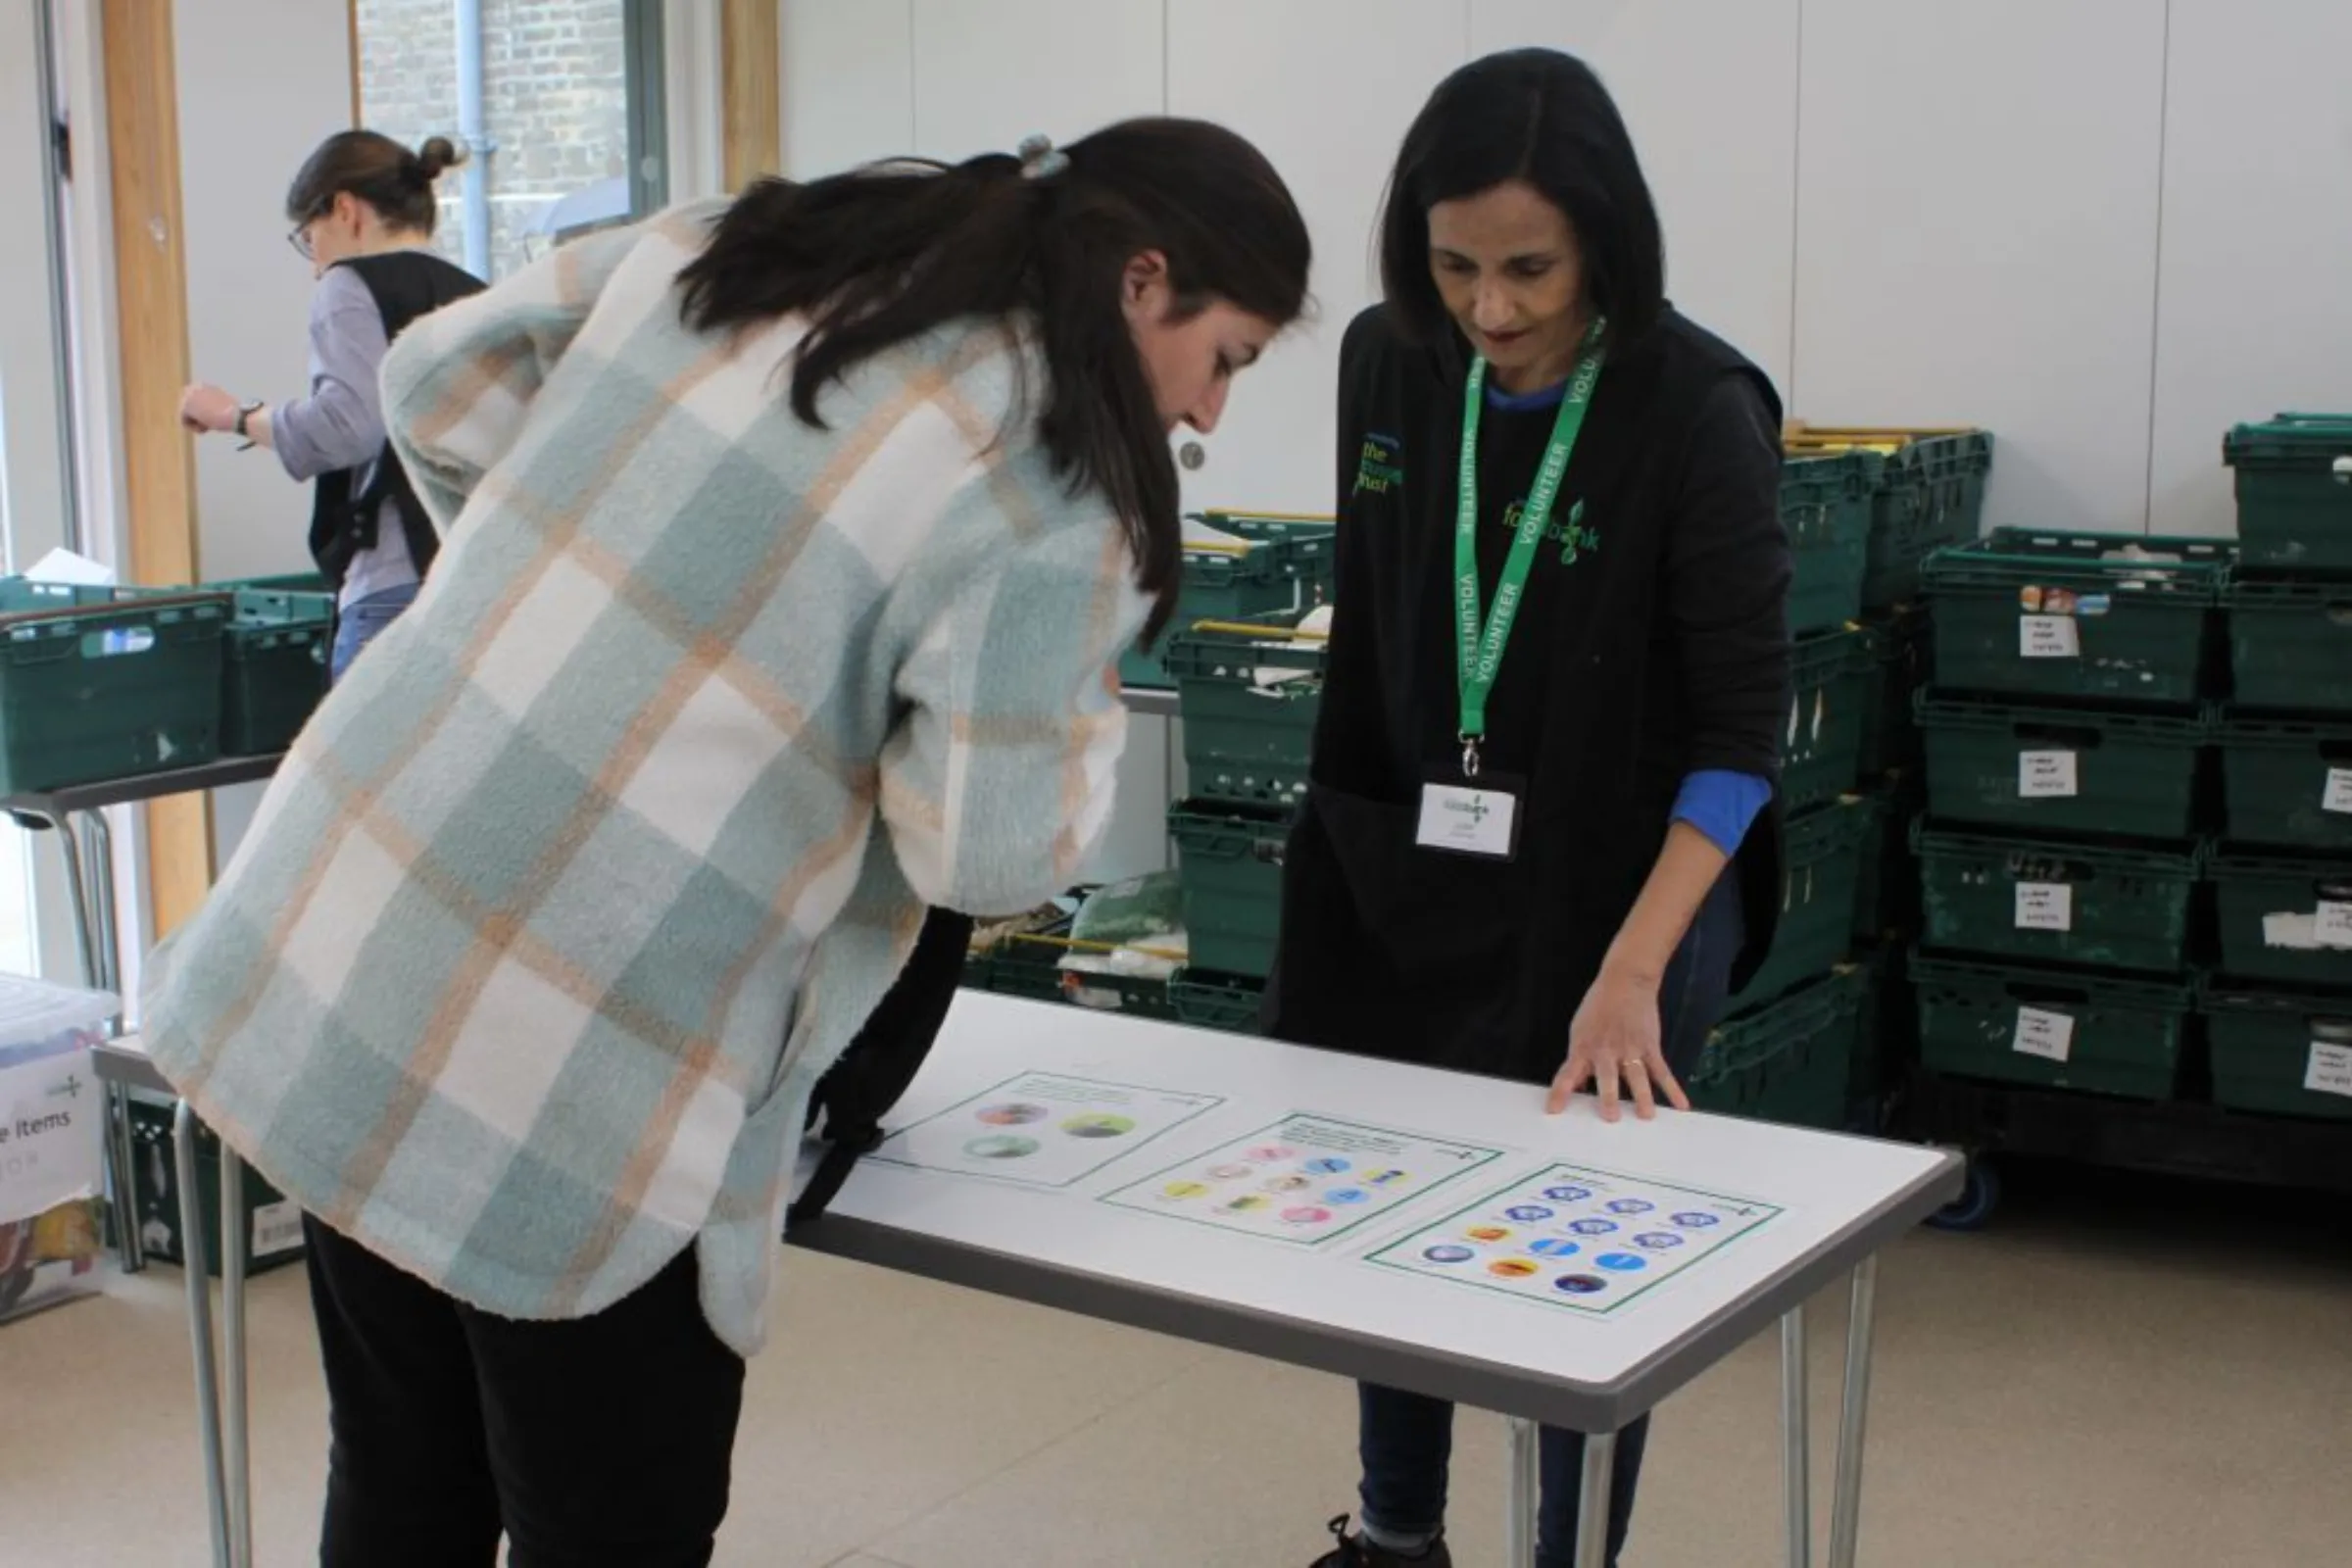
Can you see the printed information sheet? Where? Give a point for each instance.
(1043, 1129)
(1571, 1237)
(1308, 1180)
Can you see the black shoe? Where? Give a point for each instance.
(1354, 1551)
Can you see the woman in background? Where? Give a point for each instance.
(362, 211)
(1537, 837)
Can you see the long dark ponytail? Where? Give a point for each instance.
(882, 254)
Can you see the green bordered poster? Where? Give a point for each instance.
(1043, 1129)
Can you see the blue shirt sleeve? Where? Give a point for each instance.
(341, 424)
(1721, 805)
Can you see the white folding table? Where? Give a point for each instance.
(1326, 1306)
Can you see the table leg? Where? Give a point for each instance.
(101, 862)
(1526, 1492)
(1846, 1511)
(1796, 1472)
(122, 1179)
(1592, 1501)
(200, 1326)
(236, 1470)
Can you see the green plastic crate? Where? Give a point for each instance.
(1786, 1060)
(274, 668)
(1886, 895)
(1901, 656)
(1231, 865)
(1825, 505)
(110, 690)
(1225, 1001)
(2288, 782)
(2061, 770)
(271, 1232)
(2053, 1028)
(1821, 878)
(1820, 752)
(2111, 617)
(2060, 902)
(1286, 566)
(1928, 492)
(293, 582)
(1249, 693)
(2294, 492)
(2290, 645)
(1136, 996)
(2285, 917)
(2279, 1053)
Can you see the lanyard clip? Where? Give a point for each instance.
(1470, 760)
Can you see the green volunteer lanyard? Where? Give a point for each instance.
(1479, 644)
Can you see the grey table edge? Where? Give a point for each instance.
(1300, 1341)
(1152, 702)
(222, 774)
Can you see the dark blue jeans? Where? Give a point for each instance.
(356, 624)
(1405, 1441)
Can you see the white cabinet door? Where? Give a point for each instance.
(1977, 214)
(1708, 89)
(1326, 89)
(2255, 309)
(848, 84)
(988, 72)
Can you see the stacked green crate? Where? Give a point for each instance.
(1253, 564)
(2065, 744)
(2279, 1007)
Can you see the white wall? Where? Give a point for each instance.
(260, 85)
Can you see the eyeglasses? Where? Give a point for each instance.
(299, 237)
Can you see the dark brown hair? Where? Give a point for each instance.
(882, 254)
(378, 170)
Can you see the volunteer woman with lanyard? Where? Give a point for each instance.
(363, 211)
(1539, 841)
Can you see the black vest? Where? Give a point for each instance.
(344, 515)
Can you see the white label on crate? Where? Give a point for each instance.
(2287, 929)
(2045, 906)
(2047, 775)
(2048, 637)
(2338, 795)
(2330, 1070)
(276, 1228)
(2049, 1035)
(2334, 925)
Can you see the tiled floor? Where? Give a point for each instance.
(2114, 1375)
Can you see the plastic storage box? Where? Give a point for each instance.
(270, 1229)
(2055, 1028)
(1825, 506)
(2061, 770)
(2294, 492)
(1902, 657)
(1788, 1060)
(1928, 492)
(2288, 782)
(2286, 918)
(1231, 865)
(1820, 751)
(273, 669)
(1249, 693)
(1283, 563)
(110, 690)
(2057, 901)
(2290, 646)
(2109, 617)
(1820, 881)
(1223, 1002)
(2279, 1053)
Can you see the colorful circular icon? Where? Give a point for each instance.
(1567, 1194)
(1347, 1195)
(1658, 1240)
(1593, 1227)
(1622, 1262)
(1554, 1246)
(1182, 1190)
(1246, 1203)
(1272, 1154)
(1306, 1214)
(1530, 1213)
(1289, 1184)
(1514, 1268)
(1696, 1221)
(1014, 1116)
(1489, 1234)
(1328, 1167)
(1234, 1173)
(1631, 1205)
(1002, 1146)
(1099, 1125)
(1580, 1284)
(1388, 1178)
(1449, 1254)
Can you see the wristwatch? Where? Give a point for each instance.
(245, 412)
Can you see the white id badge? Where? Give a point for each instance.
(1480, 820)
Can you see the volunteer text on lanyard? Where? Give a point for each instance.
(1482, 820)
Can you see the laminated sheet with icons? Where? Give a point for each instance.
(1308, 1180)
(1589, 1241)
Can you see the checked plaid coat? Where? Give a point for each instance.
(606, 849)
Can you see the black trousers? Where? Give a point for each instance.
(593, 1444)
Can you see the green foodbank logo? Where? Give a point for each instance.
(1475, 809)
